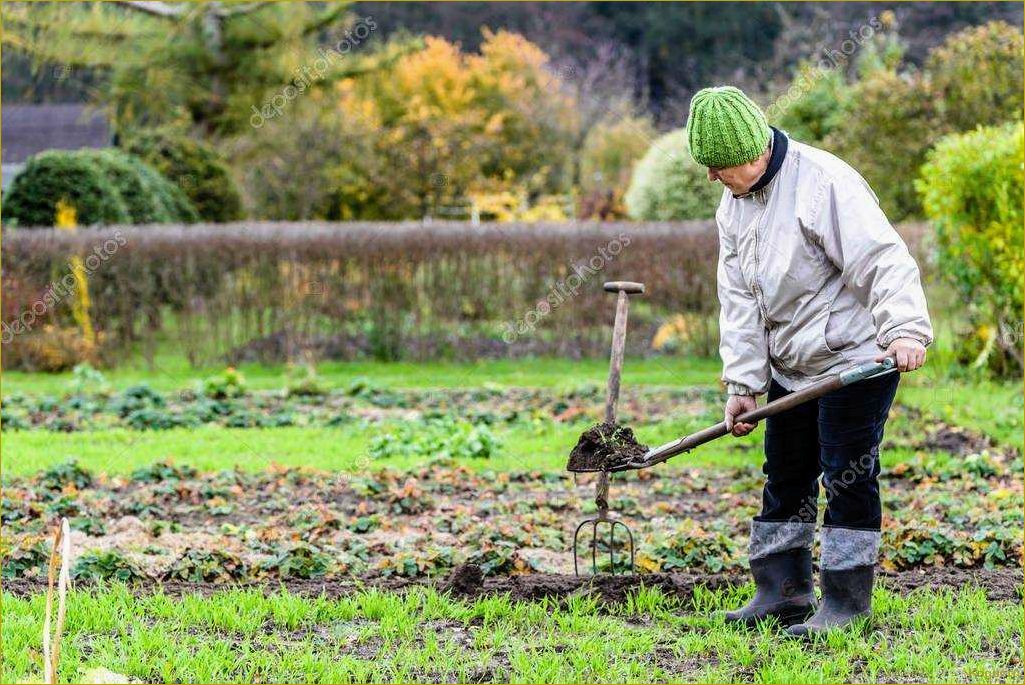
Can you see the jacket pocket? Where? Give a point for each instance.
(802, 350)
(848, 325)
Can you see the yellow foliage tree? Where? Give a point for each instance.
(442, 124)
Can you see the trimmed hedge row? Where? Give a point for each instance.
(270, 290)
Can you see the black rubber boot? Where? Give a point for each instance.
(846, 596)
(785, 590)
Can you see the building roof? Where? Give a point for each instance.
(28, 129)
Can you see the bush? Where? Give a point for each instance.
(977, 75)
(149, 197)
(668, 185)
(889, 123)
(608, 155)
(195, 168)
(971, 188)
(72, 177)
(810, 110)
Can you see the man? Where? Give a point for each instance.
(812, 280)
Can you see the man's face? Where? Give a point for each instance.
(739, 179)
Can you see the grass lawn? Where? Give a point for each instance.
(992, 408)
(172, 373)
(421, 635)
(371, 635)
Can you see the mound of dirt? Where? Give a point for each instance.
(955, 440)
(467, 579)
(605, 446)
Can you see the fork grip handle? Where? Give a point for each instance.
(814, 391)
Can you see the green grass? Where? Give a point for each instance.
(376, 636)
(988, 407)
(543, 446)
(173, 373)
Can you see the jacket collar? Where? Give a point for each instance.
(776, 157)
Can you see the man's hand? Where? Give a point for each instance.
(735, 406)
(907, 352)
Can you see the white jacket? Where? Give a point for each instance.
(812, 277)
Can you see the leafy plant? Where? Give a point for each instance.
(299, 560)
(135, 398)
(303, 381)
(106, 565)
(227, 385)
(64, 474)
(162, 471)
(28, 556)
(207, 566)
(441, 437)
(87, 380)
(687, 545)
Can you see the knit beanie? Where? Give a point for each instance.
(725, 128)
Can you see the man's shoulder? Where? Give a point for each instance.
(816, 166)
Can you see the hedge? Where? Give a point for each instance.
(264, 291)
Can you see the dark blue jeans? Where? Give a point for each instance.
(836, 437)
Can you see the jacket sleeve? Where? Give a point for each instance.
(873, 259)
(743, 340)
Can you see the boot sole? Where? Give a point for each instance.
(785, 618)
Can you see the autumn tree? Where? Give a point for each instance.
(203, 66)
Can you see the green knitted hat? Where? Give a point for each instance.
(725, 128)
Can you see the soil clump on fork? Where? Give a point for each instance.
(605, 447)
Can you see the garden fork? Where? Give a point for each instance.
(601, 495)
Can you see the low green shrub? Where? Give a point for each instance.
(149, 197)
(195, 168)
(27, 556)
(668, 185)
(441, 437)
(228, 384)
(58, 176)
(300, 560)
(971, 188)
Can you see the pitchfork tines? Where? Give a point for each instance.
(623, 289)
(601, 499)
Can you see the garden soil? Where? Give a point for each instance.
(467, 582)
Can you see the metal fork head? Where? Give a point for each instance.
(611, 524)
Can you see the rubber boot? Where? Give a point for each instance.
(785, 590)
(846, 596)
